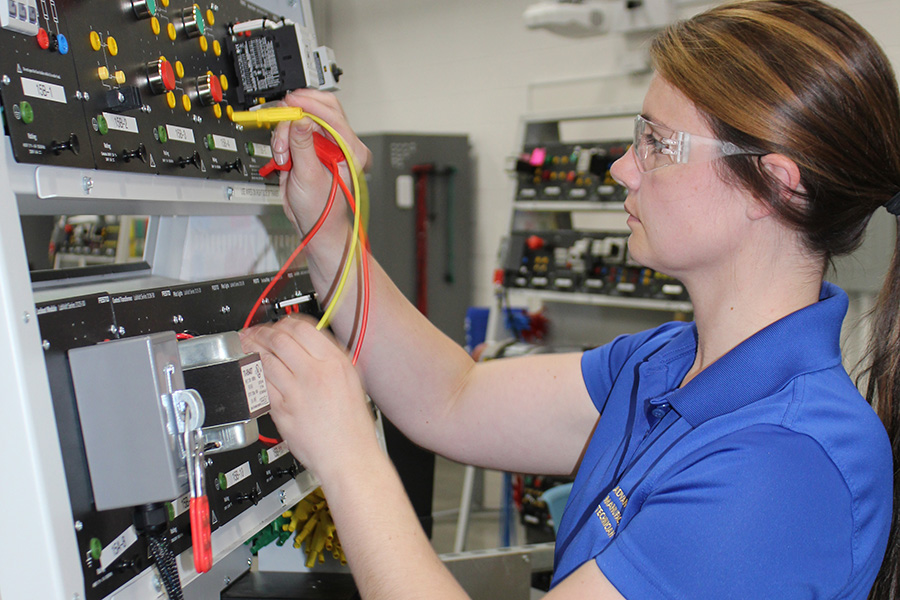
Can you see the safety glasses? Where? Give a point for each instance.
(656, 146)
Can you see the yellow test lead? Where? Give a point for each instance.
(268, 116)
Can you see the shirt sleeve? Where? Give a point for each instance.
(761, 513)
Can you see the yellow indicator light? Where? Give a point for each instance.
(230, 112)
(217, 110)
(217, 48)
(204, 43)
(112, 46)
(210, 17)
(95, 41)
(120, 77)
(103, 73)
(165, 3)
(179, 69)
(154, 25)
(170, 29)
(170, 99)
(224, 81)
(186, 103)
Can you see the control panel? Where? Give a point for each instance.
(253, 463)
(582, 261)
(569, 172)
(149, 86)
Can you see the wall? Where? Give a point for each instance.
(471, 66)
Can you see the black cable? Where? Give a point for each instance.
(165, 562)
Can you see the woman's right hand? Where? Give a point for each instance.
(306, 186)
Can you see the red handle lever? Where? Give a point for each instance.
(200, 536)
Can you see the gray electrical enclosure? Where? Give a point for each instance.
(397, 235)
(122, 388)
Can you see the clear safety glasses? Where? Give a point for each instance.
(656, 146)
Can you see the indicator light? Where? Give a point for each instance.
(26, 112)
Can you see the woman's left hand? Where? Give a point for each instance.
(317, 400)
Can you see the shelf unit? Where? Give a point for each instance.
(544, 128)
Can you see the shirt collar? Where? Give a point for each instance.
(804, 341)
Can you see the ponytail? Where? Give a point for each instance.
(883, 393)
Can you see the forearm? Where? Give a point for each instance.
(386, 548)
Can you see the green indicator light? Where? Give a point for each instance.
(265, 457)
(251, 150)
(223, 481)
(96, 548)
(151, 7)
(27, 112)
(102, 125)
(210, 142)
(201, 25)
(171, 510)
(161, 133)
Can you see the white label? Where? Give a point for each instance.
(224, 143)
(277, 451)
(44, 91)
(539, 281)
(115, 548)
(593, 283)
(404, 187)
(121, 122)
(180, 134)
(552, 190)
(180, 506)
(578, 193)
(238, 475)
(625, 287)
(527, 193)
(563, 282)
(606, 190)
(671, 289)
(263, 150)
(255, 386)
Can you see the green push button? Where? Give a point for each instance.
(170, 509)
(210, 142)
(265, 457)
(162, 134)
(223, 482)
(198, 17)
(151, 7)
(26, 111)
(251, 148)
(102, 125)
(96, 548)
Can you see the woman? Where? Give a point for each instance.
(731, 457)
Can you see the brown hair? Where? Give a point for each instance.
(802, 79)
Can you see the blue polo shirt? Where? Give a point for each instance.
(766, 476)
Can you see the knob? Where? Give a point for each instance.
(209, 89)
(193, 159)
(144, 9)
(139, 153)
(237, 165)
(71, 144)
(192, 21)
(534, 242)
(160, 76)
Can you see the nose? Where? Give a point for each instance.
(625, 172)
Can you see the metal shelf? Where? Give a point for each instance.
(568, 206)
(603, 300)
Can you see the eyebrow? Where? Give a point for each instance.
(648, 117)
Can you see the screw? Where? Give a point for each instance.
(87, 96)
(121, 330)
(26, 317)
(282, 496)
(87, 184)
(79, 95)
(178, 319)
(45, 345)
(225, 309)
(227, 580)
(5, 80)
(229, 192)
(157, 583)
(79, 525)
(249, 562)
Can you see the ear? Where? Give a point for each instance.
(785, 171)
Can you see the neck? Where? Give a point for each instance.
(728, 311)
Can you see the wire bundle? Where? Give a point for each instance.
(356, 200)
(311, 520)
